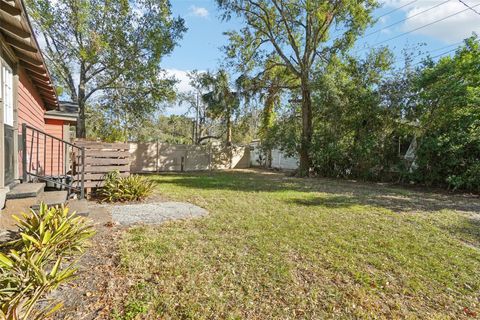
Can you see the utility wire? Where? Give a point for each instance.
(421, 27)
(469, 7)
(445, 47)
(436, 56)
(395, 10)
(442, 54)
(410, 17)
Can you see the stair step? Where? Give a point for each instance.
(51, 198)
(26, 190)
(79, 206)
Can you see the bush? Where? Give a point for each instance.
(38, 260)
(122, 189)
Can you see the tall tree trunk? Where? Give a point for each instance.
(81, 131)
(305, 160)
(229, 131)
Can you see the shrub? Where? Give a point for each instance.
(38, 260)
(121, 189)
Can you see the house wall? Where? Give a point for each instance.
(30, 110)
(55, 149)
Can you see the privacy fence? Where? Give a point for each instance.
(101, 158)
(157, 157)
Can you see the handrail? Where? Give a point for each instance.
(69, 175)
(50, 136)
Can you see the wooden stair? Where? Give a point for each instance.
(24, 197)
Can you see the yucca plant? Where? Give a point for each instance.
(38, 260)
(122, 189)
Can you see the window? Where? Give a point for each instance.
(7, 85)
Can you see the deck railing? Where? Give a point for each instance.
(58, 163)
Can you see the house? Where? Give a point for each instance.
(34, 125)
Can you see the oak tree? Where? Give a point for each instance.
(97, 49)
(302, 34)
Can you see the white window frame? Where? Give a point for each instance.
(7, 94)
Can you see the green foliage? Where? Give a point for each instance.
(172, 129)
(353, 130)
(115, 48)
(38, 260)
(296, 36)
(449, 109)
(221, 101)
(121, 189)
(368, 114)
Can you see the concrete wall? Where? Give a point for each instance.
(152, 157)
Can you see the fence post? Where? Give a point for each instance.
(157, 151)
(210, 157)
(82, 183)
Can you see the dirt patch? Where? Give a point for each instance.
(99, 283)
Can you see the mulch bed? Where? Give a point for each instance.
(99, 282)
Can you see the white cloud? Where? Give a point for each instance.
(451, 30)
(183, 84)
(199, 12)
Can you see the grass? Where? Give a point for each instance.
(275, 247)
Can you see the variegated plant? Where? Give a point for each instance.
(122, 189)
(38, 260)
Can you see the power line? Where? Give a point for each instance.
(421, 27)
(437, 56)
(469, 7)
(442, 54)
(445, 47)
(395, 10)
(410, 17)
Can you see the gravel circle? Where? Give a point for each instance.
(154, 213)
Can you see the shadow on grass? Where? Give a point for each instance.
(339, 193)
(468, 230)
(328, 202)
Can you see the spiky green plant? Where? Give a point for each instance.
(122, 189)
(39, 259)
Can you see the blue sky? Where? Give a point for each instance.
(200, 47)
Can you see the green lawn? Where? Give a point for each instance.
(275, 247)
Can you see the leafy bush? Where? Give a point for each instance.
(38, 260)
(121, 189)
(449, 150)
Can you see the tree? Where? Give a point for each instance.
(114, 48)
(201, 83)
(221, 101)
(448, 108)
(353, 129)
(298, 32)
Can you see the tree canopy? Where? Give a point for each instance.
(299, 34)
(109, 50)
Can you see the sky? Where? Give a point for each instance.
(200, 47)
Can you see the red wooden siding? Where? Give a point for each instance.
(55, 150)
(31, 111)
(30, 106)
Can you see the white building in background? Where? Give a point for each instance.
(279, 159)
